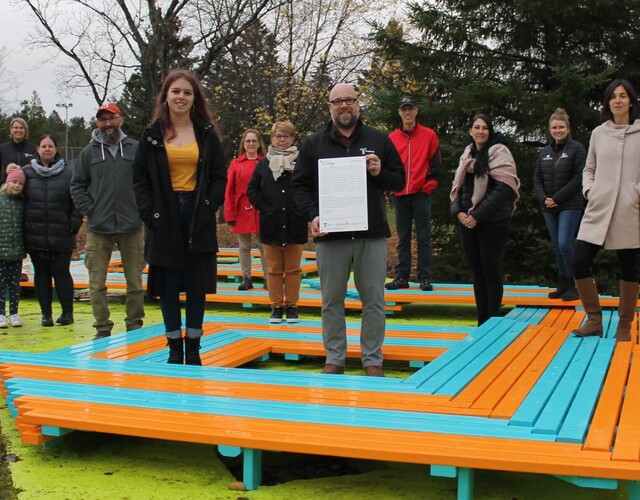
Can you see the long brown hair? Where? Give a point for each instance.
(199, 110)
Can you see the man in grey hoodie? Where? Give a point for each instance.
(102, 189)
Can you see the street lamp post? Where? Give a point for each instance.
(66, 106)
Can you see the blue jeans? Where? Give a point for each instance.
(409, 209)
(176, 279)
(563, 228)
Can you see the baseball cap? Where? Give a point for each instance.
(110, 108)
(407, 101)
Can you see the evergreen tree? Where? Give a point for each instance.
(32, 111)
(516, 61)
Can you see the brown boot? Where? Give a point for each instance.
(591, 303)
(626, 309)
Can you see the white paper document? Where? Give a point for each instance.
(342, 187)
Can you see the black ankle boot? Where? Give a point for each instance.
(66, 318)
(192, 351)
(47, 320)
(176, 351)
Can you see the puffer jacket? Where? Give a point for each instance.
(558, 175)
(51, 220)
(11, 236)
(281, 222)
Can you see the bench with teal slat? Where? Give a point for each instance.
(576, 423)
(556, 411)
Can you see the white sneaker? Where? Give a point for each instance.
(3, 321)
(15, 320)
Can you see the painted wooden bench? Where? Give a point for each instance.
(510, 395)
(446, 293)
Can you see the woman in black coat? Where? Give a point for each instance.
(557, 183)
(51, 221)
(485, 190)
(283, 228)
(179, 181)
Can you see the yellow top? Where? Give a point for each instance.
(183, 165)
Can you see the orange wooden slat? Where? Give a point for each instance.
(607, 412)
(627, 443)
(519, 391)
(333, 440)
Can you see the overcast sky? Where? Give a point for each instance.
(30, 73)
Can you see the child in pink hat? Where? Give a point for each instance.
(11, 244)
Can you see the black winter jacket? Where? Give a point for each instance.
(19, 153)
(159, 208)
(495, 208)
(281, 222)
(51, 220)
(558, 175)
(325, 144)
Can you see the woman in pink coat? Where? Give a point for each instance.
(611, 185)
(238, 210)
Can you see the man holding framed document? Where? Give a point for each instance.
(342, 173)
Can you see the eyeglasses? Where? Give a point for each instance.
(250, 141)
(281, 137)
(106, 119)
(350, 101)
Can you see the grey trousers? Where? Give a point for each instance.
(368, 260)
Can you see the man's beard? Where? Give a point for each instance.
(111, 136)
(345, 122)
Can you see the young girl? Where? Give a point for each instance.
(11, 244)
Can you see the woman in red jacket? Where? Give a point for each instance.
(238, 210)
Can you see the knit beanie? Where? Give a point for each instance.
(16, 175)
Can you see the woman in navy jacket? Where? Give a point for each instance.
(557, 183)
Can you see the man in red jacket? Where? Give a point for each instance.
(419, 149)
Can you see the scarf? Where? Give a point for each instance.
(49, 171)
(502, 168)
(281, 160)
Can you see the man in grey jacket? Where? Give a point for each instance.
(102, 189)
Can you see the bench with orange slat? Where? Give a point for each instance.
(257, 434)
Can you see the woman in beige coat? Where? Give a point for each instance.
(611, 185)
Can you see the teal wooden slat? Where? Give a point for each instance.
(553, 414)
(591, 482)
(534, 403)
(433, 370)
(467, 373)
(473, 353)
(246, 375)
(576, 424)
(273, 410)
